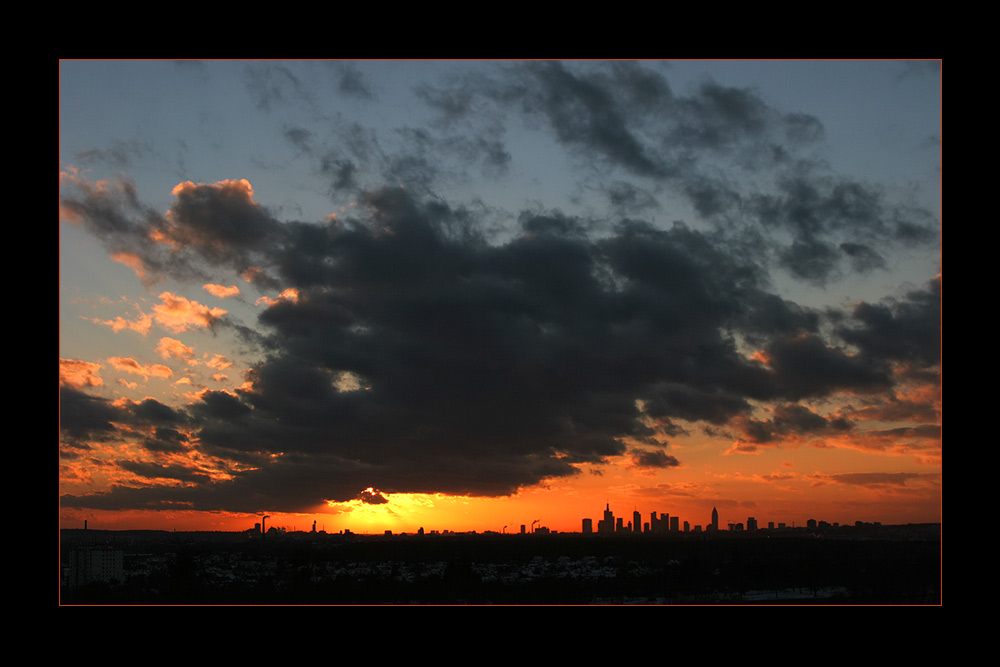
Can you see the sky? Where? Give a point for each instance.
(481, 295)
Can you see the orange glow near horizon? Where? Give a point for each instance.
(779, 496)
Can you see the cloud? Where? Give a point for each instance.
(652, 459)
(141, 325)
(907, 329)
(79, 374)
(178, 314)
(222, 291)
(791, 425)
(133, 367)
(876, 479)
(171, 348)
(804, 365)
(84, 418)
(216, 219)
(217, 362)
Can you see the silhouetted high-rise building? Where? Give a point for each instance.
(588, 526)
(715, 520)
(607, 524)
(636, 522)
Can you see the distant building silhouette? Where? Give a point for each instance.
(606, 526)
(715, 520)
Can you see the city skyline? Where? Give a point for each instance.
(649, 523)
(471, 295)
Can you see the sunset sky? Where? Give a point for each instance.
(476, 295)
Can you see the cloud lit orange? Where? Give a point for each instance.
(76, 373)
(171, 348)
(222, 291)
(178, 314)
(131, 366)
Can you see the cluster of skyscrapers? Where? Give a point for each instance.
(657, 524)
(664, 523)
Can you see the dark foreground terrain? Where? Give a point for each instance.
(855, 566)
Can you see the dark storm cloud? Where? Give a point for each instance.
(832, 220)
(479, 367)
(151, 411)
(208, 227)
(155, 471)
(655, 459)
(425, 355)
(810, 259)
(806, 366)
(790, 420)
(371, 497)
(165, 440)
(907, 329)
(83, 417)
(863, 258)
(218, 219)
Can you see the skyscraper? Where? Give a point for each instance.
(607, 524)
(715, 519)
